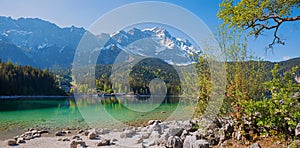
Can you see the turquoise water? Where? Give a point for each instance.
(62, 113)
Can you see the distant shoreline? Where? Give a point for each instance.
(22, 97)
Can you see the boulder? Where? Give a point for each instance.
(86, 133)
(297, 130)
(189, 141)
(162, 141)
(11, 142)
(189, 126)
(155, 127)
(59, 133)
(75, 143)
(213, 141)
(20, 140)
(145, 135)
(142, 146)
(16, 137)
(175, 131)
(238, 135)
(75, 137)
(150, 122)
(174, 142)
(295, 143)
(114, 140)
(255, 145)
(92, 135)
(103, 131)
(28, 137)
(127, 134)
(80, 131)
(44, 132)
(37, 135)
(66, 139)
(104, 142)
(183, 134)
(33, 132)
(163, 126)
(139, 140)
(154, 136)
(201, 144)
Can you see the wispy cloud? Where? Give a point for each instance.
(286, 57)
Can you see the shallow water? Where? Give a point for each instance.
(62, 113)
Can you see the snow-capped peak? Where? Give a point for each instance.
(153, 41)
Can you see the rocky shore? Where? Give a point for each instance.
(171, 134)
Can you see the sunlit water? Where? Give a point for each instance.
(62, 113)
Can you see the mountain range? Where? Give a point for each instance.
(39, 43)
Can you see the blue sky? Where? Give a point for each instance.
(83, 13)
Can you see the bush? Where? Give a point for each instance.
(278, 112)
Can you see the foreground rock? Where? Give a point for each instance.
(20, 140)
(189, 141)
(128, 133)
(174, 142)
(104, 142)
(201, 144)
(92, 135)
(255, 145)
(297, 130)
(170, 134)
(11, 142)
(74, 143)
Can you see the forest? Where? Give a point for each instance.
(148, 69)
(26, 80)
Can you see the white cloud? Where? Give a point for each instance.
(286, 57)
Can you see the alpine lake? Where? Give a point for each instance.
(20, 113)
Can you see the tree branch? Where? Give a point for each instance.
(276, 38)
(279, 20)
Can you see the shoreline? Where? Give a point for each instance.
(155, 133)
(37, 96)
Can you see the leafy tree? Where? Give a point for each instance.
(259, 15)
(280, 113)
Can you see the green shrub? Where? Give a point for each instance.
(279, 114)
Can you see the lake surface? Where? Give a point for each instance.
(97, 112)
